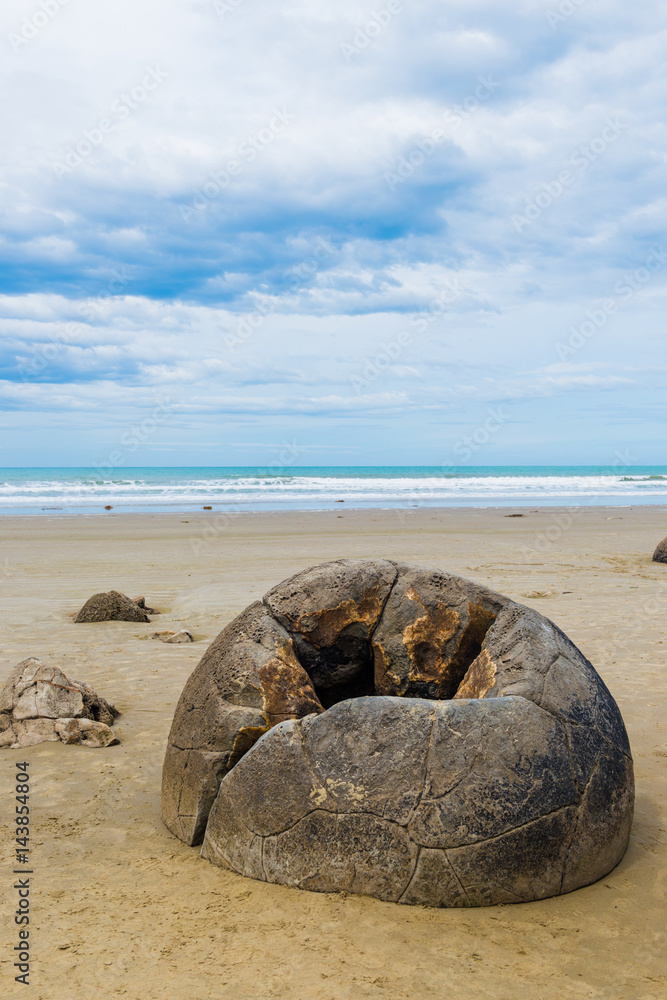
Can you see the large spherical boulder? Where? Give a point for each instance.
(660, 554)
(385, 729)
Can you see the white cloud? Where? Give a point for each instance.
(302, 264)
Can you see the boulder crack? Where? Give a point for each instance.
(458, 879)
(427, 758)
(382, 610)
(575, 826)
(505, 833)
(412, 875)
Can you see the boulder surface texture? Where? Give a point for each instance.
(40, 704)
(660, 554)
(385, 729)
(114, 607)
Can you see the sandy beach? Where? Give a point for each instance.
(122, 908)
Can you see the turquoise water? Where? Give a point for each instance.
(279, 487)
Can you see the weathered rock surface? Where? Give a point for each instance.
(248, 680)
(112, 607)
(331, 611)
(384, 729)
(433, 625)
(39, 703)
(660, 554)
(96, 709)
(169, 636)
(85, 731)
(141, 603)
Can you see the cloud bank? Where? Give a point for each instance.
(355, 226)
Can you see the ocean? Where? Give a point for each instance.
(86, 491)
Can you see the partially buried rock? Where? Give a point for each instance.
(85, 732)
(660, 554)
(181, 636)
(112, 607)
(94, 707)
(38, 704)
(141, 603)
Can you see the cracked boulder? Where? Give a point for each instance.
(432, 627)
(38, 704)
(113, 606)
(385, 729)
(660, 554)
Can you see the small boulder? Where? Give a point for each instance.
(38, 704)
(29, 732)
(181, 636)
(141, 603)
(660, 554)
(111, 607)
(86, 732)
(95, 708)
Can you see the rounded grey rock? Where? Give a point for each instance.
(39, 703)
(660, 554)
(112, 606)
(396, 731)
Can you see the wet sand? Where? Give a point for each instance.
(122, 909)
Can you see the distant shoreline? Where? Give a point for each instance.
(281, 488)
(233, 511)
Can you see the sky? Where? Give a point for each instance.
(415, 233)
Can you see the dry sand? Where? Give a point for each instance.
(121, 908)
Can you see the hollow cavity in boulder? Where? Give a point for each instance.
(310, 712)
